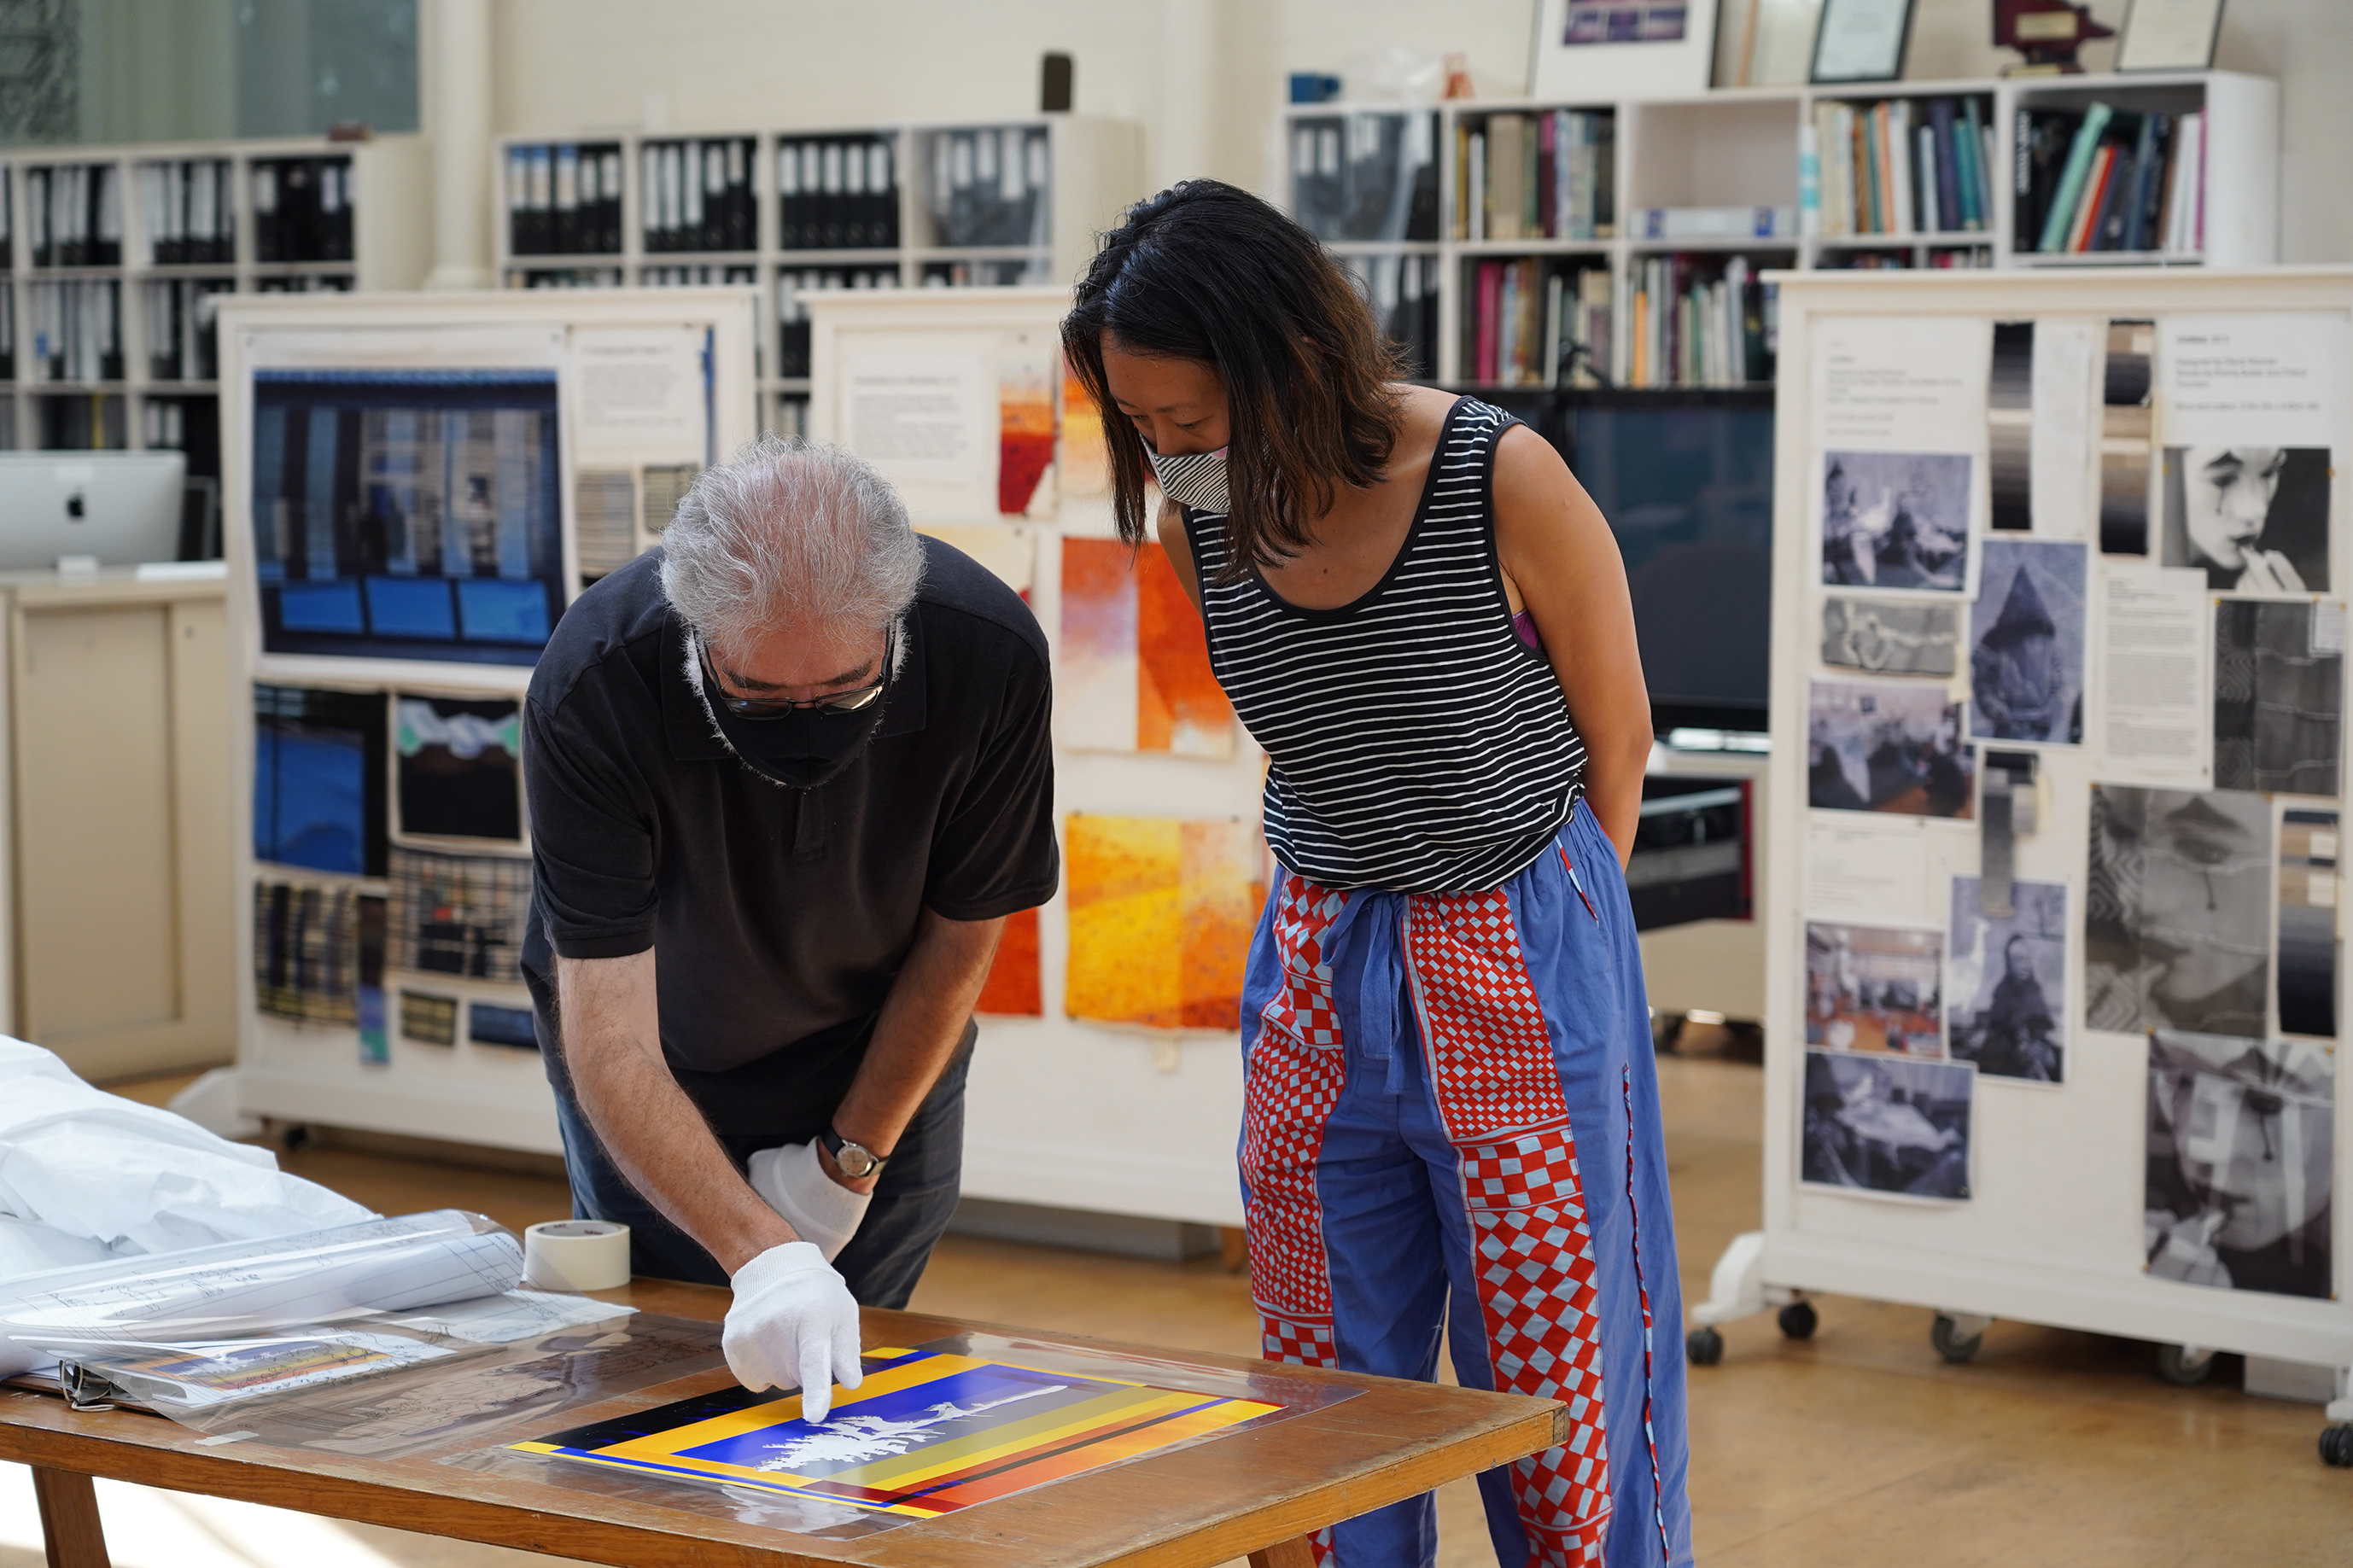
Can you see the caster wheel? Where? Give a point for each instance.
(1945, 1335)
(1798, 1320)
(2336, 1447)
(2179, 1370)
(1704, 1347)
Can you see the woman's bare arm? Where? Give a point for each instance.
(1559, 552)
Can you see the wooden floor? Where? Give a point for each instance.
(1859, 1448)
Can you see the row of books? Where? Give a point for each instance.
(695, 277)
(988, 186)
(73, 215)
(77, 330)
(564, 199)
(792, 314)
(1697, 320)
(572, 277)
(1940, 258)
(2110, 180)
(839, 194)
(7, 336)
(78, 424)
(302, 209)
(305, 283)
(182, 339)
(189, 210)
(1000, 274)
(1403, 292)
(1898, 166)
(1534, 325)
(1366, 175)
(164, 421)
(1537, 176)
(698, 195)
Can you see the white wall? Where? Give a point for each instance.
(567, 65)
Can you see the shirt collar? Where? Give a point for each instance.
(689, 727)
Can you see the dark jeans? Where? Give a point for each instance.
(912, 1202)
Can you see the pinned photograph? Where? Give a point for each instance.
(1896, 520)
(2176, 917)
(1892, 636)
(2009, 977)
(1875, 988)
(2279, 696)
(2241, 1160)
(1886, 748)
(2026, 643)
(1880, 1124)
(2254, 519)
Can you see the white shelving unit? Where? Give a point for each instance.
(384, 182)
(1093, 168)
(1738, 147)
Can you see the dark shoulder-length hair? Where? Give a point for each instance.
(1207, 272)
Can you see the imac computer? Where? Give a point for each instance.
(122, 507)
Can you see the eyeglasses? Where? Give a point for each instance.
(849, 701)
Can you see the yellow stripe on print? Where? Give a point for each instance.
(666, 1446)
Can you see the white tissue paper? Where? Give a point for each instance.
(86, 1175)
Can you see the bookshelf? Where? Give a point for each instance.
(109, 257)
(899, 205)
(1390, 189)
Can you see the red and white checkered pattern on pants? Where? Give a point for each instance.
(1498, 1091)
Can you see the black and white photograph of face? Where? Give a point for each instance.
(2176, 917)
(2026, 643)
(2279, 696)
(2008, 976)
(1890, 636)
(1896, 520)
(2255, 518)
(1881, 1124)
(2241, 1160)
(1887, 748)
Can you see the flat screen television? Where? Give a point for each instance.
(1685, 478)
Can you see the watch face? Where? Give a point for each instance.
(856, 1159)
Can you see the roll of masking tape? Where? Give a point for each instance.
(575, 1255)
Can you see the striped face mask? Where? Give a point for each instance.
(1197, 480)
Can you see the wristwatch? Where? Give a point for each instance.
(856, 1159)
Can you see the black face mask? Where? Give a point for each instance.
(799, 750)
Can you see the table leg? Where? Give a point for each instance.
(69, 1518)
(1295, 1554)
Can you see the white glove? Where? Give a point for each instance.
(793, 1322)
(819, 1208)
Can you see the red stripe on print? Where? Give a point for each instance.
(1499, 1094)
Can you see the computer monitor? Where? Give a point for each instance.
(121, 507)
(1685, 478)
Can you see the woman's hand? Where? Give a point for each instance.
(1559, 552)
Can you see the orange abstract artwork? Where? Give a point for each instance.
(1135, 672)
(1011, 989)
(1162, 911)
(1024, 411)
(1085, 464)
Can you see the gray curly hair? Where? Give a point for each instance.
(786, 533)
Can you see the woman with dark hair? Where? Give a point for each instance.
(1451, 1104)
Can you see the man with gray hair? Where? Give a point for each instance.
(788, 774)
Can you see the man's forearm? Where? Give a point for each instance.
(653, 1131)
(922, 1018)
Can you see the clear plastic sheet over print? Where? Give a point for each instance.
(514, 1390)
(1223, 1401)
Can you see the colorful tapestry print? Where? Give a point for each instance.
(924, 1435)
(1161, 915)
(1012, 988)
(1135, 665)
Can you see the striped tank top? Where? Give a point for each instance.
(1417, 742)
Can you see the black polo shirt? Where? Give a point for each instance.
(779, 917)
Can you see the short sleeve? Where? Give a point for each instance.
(995, 853)
(592, 835)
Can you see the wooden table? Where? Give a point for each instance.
(1256, 1494)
